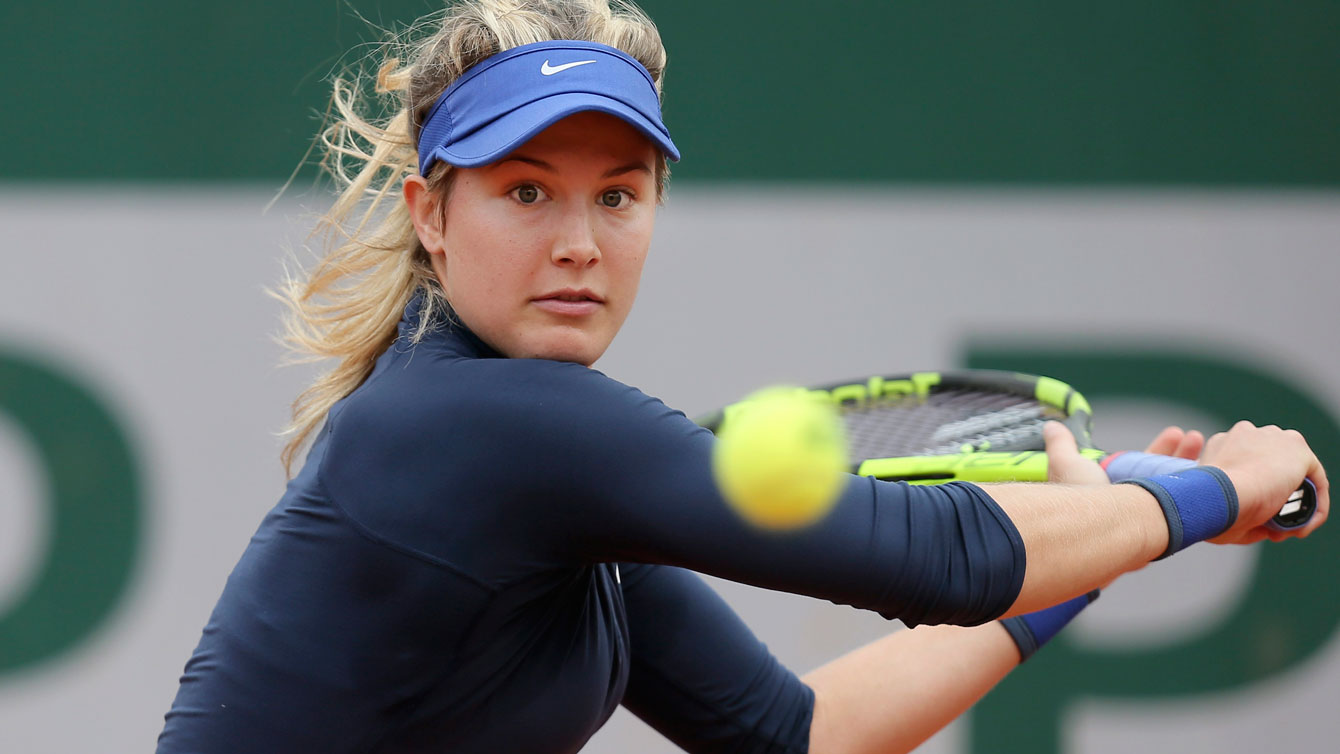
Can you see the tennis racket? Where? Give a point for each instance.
(982, 426)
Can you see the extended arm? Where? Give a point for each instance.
(894, 693)
(701, 678)
(1082, 536)
(624, 478)
(898, 691)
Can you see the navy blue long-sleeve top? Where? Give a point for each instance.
(489, 554)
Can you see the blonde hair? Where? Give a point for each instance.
(348, 305)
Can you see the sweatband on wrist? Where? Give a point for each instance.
(1132, 464)
(1198, 503)
(1032, 630)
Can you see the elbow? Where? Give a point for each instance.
(967, 560)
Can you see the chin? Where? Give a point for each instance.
(579, 350)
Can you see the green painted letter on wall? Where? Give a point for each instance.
(94, 509)
(1277, 624)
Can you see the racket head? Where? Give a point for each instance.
(930, 427)
(977, 426)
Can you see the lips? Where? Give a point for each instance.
(570, 302)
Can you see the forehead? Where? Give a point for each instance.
(591, 135)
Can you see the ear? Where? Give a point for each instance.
(424, 213)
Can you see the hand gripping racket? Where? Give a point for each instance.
(982, 426)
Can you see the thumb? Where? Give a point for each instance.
(1058, 439)
(1064, 463)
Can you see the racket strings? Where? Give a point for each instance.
(944, 422)
(1011, 422)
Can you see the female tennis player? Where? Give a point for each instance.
(490, 543)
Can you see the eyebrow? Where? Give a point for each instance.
(527, 160)
(631, 167)
(636, 165)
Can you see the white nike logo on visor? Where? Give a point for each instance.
(550, 70)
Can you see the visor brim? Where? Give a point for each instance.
(507, 133)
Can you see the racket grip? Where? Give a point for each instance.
(1296, 512)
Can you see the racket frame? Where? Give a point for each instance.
(972, 463)
(981, 463)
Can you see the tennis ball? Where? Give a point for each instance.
(780, 457)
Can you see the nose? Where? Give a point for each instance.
(575, 244)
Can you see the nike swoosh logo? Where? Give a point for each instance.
(550, 70)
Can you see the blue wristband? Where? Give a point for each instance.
(1032, 630)
(1198, 503)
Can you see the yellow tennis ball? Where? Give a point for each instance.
(780, 458)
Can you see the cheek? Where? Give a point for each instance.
(643, 247)
(633, 265)
(482, 255)
(625, 269)
(633, 242)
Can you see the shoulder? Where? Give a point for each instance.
(486, 451)
(418, 394)
(469, 414)
(542, 390)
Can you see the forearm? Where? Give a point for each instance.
(1079, 538)
(893, 694)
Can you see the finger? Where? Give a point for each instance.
(1064, 462)
(1057, 433)
(1061, 450)
(1317, 473)
(1249, 537)
(1318, 518)
(1214, 441)
(1056, 437)
(1190, 446)
(1166, 442)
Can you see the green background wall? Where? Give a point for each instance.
(1033, 91)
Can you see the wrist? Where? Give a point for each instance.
(1197, 504)
(1032, 630)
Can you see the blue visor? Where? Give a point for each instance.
(507, 99)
